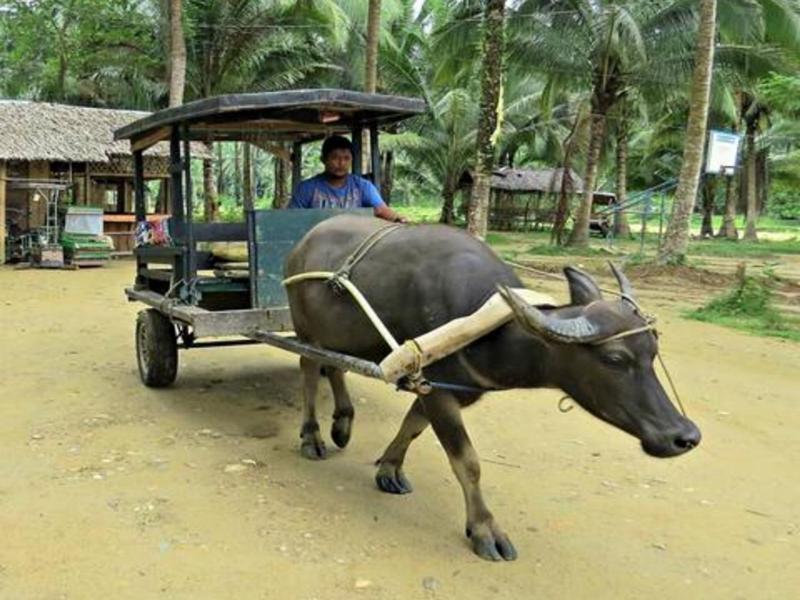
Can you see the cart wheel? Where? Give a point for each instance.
(156, 349)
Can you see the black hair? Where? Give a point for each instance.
(335, 142)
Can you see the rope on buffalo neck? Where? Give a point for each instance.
(357, 296)
(360, 252)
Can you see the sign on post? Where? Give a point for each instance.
(723, 152)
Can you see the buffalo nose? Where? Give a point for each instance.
(689, 437)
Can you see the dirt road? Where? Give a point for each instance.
(112, 490)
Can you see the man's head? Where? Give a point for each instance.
(337, 156)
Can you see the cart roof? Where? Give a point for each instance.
(293, 115)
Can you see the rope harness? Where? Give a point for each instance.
(339, 281)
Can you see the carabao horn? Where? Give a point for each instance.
(578, 330)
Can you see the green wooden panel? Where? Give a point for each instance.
(273, 235)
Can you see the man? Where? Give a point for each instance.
(337, 187)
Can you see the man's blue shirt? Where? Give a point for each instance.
(316, 192)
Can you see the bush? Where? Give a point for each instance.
(751, 297)
(748, 306)
(784, 204)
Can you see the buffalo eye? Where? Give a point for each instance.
(619, 360)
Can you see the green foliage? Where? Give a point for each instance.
(784, 203)
(81, 51)
(560, 53)
(749, 306)
(421, 212)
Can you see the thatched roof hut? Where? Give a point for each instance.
(519, 196)
(75, 145)
(526, 181)
(40, 131)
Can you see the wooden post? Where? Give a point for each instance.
(175, 184)
(357, 138)
(187, 171)
(2, 212)
(87, 185)
(297, 165)
(138, 186)
(376, 156)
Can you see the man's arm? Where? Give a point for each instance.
(382, 211)
(379, 208)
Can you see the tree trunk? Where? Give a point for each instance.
(762, 180)
(247, 175)
(62, 77)
(709, 194)
(448, 206)
(621, 226)
(177, 54)
(579, 236)
(562, 208)
(676, 238)
(373, 38)
(211, 201)
(371, 72)
(281, 197)
(728, 228)
(752, 198)
(491, 82)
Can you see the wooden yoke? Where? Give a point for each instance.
(426, 349)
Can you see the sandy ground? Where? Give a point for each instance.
(112, 490)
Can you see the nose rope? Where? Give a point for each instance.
(671, 384)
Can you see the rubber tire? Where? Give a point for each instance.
(156, 349)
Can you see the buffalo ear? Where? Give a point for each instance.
(582, 288)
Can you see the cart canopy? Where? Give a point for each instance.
(286, 116)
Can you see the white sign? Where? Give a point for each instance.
(723, 152)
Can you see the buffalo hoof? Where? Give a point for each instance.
(313, 448)
(340, 431)
(492, 546)
(390, 479)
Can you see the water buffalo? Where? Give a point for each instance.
(422, 276)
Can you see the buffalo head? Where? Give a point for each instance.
(601, 353)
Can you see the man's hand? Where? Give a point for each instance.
(384, 212)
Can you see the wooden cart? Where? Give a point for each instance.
(192, 304)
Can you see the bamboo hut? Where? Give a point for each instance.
(525, 199)
(73, 144)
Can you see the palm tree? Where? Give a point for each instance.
(491, 84)
(373, 37)
(439, 147)
(755, 37)
(676, 239)
(177, 54)
(605, 48)
(240, 45)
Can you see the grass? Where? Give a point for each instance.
(748, 307)
(427, 212)
(761, 249)
(538, 243)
